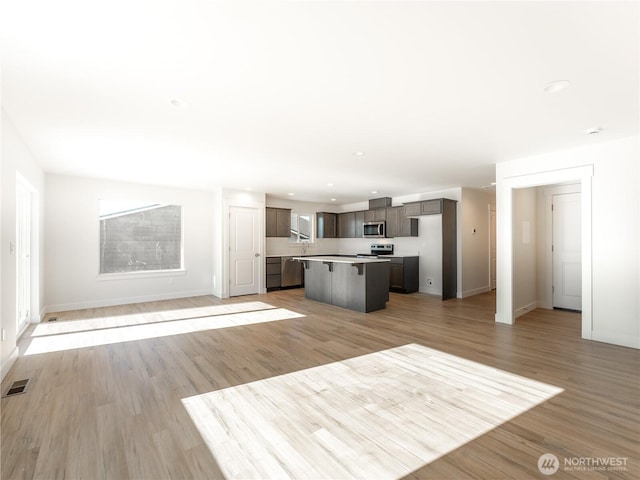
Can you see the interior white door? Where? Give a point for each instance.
(244, 251)
(567, 251)
(23, 255)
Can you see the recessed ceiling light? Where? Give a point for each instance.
(558, 85)
(374, 191)
(593, 131)
(358, 154)
(333, 199)
(330, 185)
(178, 103)
(291, 194)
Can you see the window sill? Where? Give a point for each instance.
(141, 274)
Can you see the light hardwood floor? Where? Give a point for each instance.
(133, 401)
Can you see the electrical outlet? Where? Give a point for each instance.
(429, 281)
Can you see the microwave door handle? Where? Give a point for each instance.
(380, 229)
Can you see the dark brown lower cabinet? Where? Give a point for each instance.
(449, 250)
(403, 274)
(273, 273)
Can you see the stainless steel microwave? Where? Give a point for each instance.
(374, 230)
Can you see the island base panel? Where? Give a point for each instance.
(363, 288)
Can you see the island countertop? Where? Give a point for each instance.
(349, 260)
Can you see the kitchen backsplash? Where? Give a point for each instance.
(405, 246)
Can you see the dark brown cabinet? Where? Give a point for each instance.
(359, 220)
(326, 225)
(396, 276)
(273, 273)
(408, 226)
(350, 224)
(413, 209)
(403, 274)
(347, 225)
(393, 222)
(449, 249)
(277, 222)
(447, 208)
(425, 207)
(377, 215)
(431, 207)
(399, 225)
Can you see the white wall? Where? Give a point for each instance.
(219, 283)
(72, 248)
(525, 291)
(610, 183)
(475, 254)
(16, 158)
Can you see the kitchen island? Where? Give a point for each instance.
(360, 284)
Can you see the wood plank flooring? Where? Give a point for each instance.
(116, 409)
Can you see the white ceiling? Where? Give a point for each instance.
(281, 94)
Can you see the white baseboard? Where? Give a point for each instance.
(525, 309)
(8, 363)
(475, 291)
(507, 320)
(64, 307)
(615, 339)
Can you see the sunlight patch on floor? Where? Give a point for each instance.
(102, 336)
(381, 415)
(113, 321)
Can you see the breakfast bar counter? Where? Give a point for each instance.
(360, 284)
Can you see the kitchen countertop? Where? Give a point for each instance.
(339, 259)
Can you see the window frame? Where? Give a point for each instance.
(137, 274)
(312, 233)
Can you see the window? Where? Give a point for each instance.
(301, 228)
(140, 237)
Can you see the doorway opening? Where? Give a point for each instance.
(508, 228)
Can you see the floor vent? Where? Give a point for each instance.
(17, 387)
(53, 319)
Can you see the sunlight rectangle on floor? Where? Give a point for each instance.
(380, 415)
(116, 321)
(107, 336)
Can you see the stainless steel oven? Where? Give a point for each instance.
(374, 229)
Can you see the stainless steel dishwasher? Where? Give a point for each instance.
(292, 273)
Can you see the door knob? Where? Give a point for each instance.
(257, 254)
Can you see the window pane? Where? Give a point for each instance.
(301, 227)
(294, 228)
(304, 227)
(140, 238)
